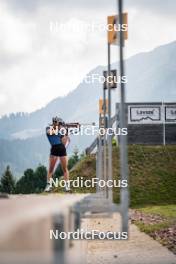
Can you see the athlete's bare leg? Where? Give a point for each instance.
(64, 165)
(52, 163)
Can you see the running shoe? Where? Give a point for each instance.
(67, 187)
(48, 187)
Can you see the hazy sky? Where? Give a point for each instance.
(47, 46)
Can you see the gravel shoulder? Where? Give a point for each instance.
(138, 249)
(159, 222)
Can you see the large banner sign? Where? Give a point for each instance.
(141, 114)
(170, 113)
(151, 114)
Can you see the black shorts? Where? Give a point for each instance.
(58, 150)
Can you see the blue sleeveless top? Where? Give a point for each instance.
(54, 139)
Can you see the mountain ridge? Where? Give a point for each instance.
(39, 118)
(151, 78)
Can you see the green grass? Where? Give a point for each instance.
(152, 174)
(167, 211)
(148, 229)
(161, 230)
(86, 168)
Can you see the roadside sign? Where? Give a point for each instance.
(110, 80)
(114, 27)
(144, 114)
(102, 120)
(101, 106)
(151, 113)
(170, 113)
(111, 29)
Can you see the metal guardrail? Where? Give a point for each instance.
(94, 144)
(104, 204)
(26, 223)
(25, 234)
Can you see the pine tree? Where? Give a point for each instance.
(40, 177)
(7, 181)
(73, 159)
(26, 184)
(76, 154)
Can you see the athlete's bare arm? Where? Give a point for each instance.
(65, 140)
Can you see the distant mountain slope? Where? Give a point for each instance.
(29, 153)
(23, 154)
(79, 105)
(151, 77)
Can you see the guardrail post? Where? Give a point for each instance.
(59, 245)
(109, 173)
(117, 120)
(99, 164)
